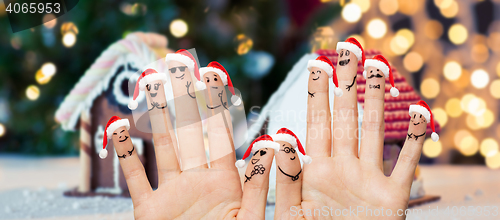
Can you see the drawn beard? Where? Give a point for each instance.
(344, 62)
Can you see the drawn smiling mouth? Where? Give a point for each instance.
(213, 107)
(153, 94)
(344, 62)
(292, 158)
(215, 87)
(181, 77)
(126, 137)
(416, 123)
(316, 78)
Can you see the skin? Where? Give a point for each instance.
(215, 91)
(336, 178)
(288, 192)
(122, 143)
(419, 125)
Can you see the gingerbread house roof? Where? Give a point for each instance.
(137, 47)
(396, 108)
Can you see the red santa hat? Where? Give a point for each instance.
(264, 141)
(148, 76)
(382, 64)
(422, 108)
(325, 64)
(286, 135)
(114, 123)
(354, 46)
(217, 68)
(185, 57)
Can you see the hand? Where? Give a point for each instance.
(340, 178)
(195, 191)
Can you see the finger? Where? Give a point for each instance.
(163, 133)
(132, 168)
(410, 154)
(188, 121)
(288, 180)
(372, 132)
(345, 119)
(219, 123)
(256, 185)
(318, 112)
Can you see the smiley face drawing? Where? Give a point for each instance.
(376, 71)
(287, 159)
(263, 149)
(152, 83)
(320, 70)
(117, 130)
(213, 78)
(349, 53)
(181, 65)
(421, 114)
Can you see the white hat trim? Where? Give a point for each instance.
(221, 73)
(265, 144)
(422, 110)
(151, 78)
(351, 47)
(377, 64)
(115, 125)
(286, 138)
(180, 58)
(322, 65)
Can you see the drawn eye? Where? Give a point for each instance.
(341, 53)
(292, 150)
(208, 80)
(215, 79)
(287, 150)
(420, 116)
(347, 52)
(148, 87)
(319, 71)
(311, 73)
(157, 86)
(371, 71)
(415, 115)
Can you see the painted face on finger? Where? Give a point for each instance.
(318, 81)
(288, 161)
(375, 78)
(417, 127)
(177, 70)
(155, 94)
(215, 92)
(121, 137)
(257, 163)
(346, 57)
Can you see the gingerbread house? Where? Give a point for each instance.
(103, 91)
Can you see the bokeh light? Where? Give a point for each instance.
(453, 108)
(69, 39)
(464, 102)
(32, 92)
(245, 44)
(376, 28)
(493, 162)
(351, 12)
(433, 29)
(468, 146)
(69, 27)
(443, 3)
(452, 70)
(451, 11)
(2, 130)
(408, 35)
(476, 106)
(388, 7)
(480, 78)
(178, 28)
(479, 53)
(498, 69)
(48, 69)
(363, 4)
(489, 147)
(495, 89)
(457, 34)
(413, 61)
(461, 134)
(409, 7)
(440, 116)
(49, 21)
(486, 119)
(432, 149)
(471, 122)
(430, 88)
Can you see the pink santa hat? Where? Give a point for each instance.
(382, 64)
(286, 135)
(148, 76)
(264, 141)
(422, 108)
(325, 64)
(217, 68)
(114, 123)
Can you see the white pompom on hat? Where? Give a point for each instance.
(325, 64)
(217, 68)
(422, 108)
(148, 76)
(382, 64)
(286, 135)
(114, 123)
(264, 141)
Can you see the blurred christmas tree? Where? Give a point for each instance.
(39, 66)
